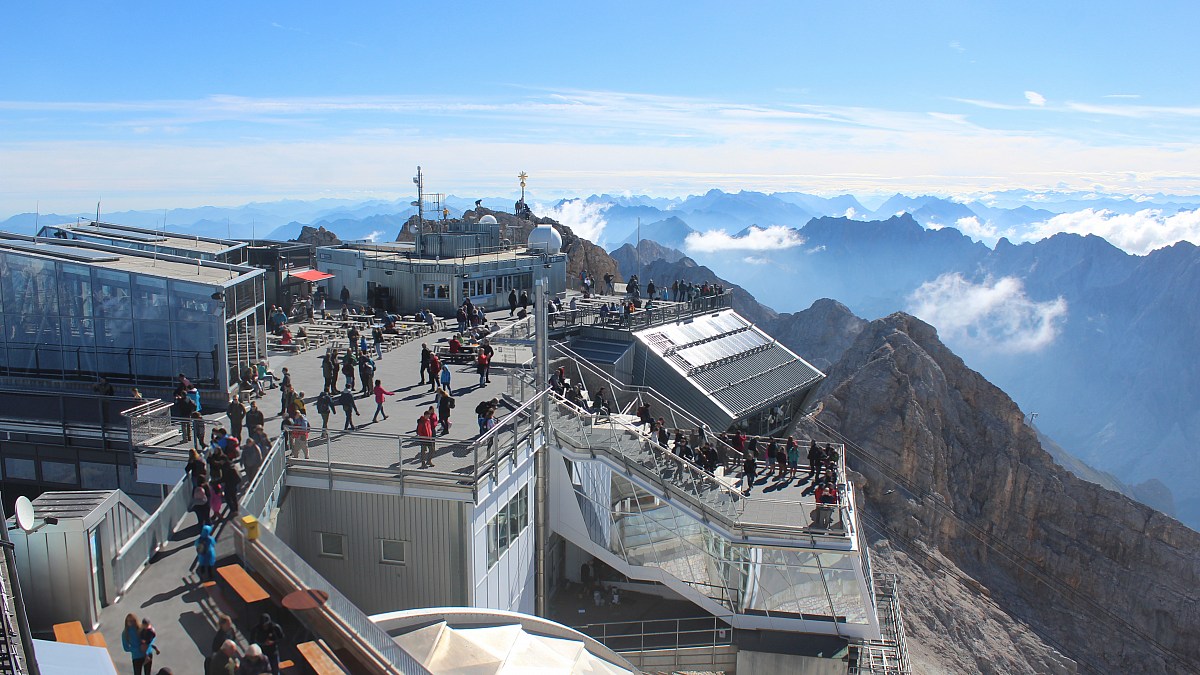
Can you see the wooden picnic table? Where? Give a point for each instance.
(242, 583)
(70, 632)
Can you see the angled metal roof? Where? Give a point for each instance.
(729, 360)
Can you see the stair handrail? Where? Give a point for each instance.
(638, 391)
(735, 497)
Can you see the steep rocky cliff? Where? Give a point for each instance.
(1017, 554)
(318, 236)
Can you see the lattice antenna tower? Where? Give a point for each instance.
(426, 202)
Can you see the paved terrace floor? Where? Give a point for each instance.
(375, 443)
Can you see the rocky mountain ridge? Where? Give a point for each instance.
(955, 474)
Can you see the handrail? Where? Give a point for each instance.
(676, 633)
(155, 531)
(637, 391)
(642, 317)
(677, 467)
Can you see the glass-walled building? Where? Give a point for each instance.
(78, 311)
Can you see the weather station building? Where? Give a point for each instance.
(448, 262)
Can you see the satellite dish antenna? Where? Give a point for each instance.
(24, 514)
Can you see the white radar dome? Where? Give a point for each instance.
(545, 238)
(489, 219)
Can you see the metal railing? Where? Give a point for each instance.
(150, 537)
(660, 312)
(150, 422)
(521, 329)
(626, 636)
(265, 487)
(674, 475)
(711, 497)
(276, 560)
(396, 455)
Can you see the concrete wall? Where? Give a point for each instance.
(763, 663)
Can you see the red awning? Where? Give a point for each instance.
(312, 275)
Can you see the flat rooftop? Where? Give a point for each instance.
(139, 235)
(116, 258)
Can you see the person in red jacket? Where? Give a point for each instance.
(425, 439)
(380, 393)
(484, 363)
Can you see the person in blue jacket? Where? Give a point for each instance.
(131, 641)
(206, 553)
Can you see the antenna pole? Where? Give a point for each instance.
(419, 180)
(97, 213)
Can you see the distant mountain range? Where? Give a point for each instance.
(1099, 343)
(1095, 340)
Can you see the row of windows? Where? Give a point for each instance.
(87, 475)
(391, 551)
(492, 285)
(503, 529)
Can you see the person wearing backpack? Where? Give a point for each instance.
(200, 501)
(324, 407)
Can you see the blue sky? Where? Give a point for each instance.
(153, 105)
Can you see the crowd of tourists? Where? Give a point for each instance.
(779, 458)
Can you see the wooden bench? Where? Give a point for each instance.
(320, 660)
(96, 640)
(243, 584)
(70, 632)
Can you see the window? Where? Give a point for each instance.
(96, 476)
(59, 472)
(427, 291)
(477, 287)
(508, 523)
(393, 551)
(333, 545)
(19, 469)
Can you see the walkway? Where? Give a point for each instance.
(168, 592)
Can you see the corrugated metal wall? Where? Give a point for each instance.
(651, 370)
(436, 531)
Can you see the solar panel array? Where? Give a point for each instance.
(730, 360)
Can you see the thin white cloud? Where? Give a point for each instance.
(174, 153)
(957, 46)
(771, 238)
(1137, 233)
(1122, 96)
(1035, 98)
(995, 314)
(586, 219)
(1135, 111)
(756, 260)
